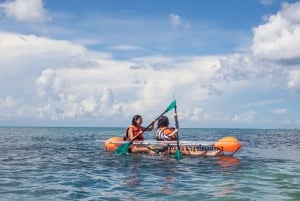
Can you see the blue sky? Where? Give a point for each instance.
(209, 27)
(96, 63)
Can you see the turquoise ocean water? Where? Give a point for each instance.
(70, 164)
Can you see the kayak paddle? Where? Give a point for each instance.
(177, 155)
(123, 148)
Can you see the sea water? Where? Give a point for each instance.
(71, 164)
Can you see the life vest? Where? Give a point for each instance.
(165, 131)
(136, 131)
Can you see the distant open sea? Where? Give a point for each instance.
(71, 164)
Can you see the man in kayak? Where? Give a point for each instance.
(135, 129)
(164, 132)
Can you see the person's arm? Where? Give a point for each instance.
(175, 117)
(130, 133)
(160, 135)
(173, 133)
(151, 126)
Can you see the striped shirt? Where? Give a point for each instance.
(161, 136)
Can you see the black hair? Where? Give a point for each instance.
(163, 121)
(135, 118)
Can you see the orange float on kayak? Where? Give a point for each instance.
(111, 145)
(228, 144)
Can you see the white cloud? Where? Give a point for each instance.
(59, 79)
(83, 85)
(175, 20)
(25, 10)
(238, 67)
(279, 37)
(275, 52)
(32, 45)
(199, 114)
(78, 83)
(126, 47)
(263, 102)
(11, 108)
(23, 57)
(7, 102)
(294, 80)
(247, 117)
(279, 111)
(50, 83)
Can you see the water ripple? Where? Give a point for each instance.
(70, 164)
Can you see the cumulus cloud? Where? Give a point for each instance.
(279, 37)
(275, 52)
(88, 86)
(77, 83)
(294, 80)
(29, 66)
(238, 67)
(23, 57)
(59, 79)
(25, 10)
(175, 20)
(50, 84)
(10, 107)
(247, 117)
(72, 106)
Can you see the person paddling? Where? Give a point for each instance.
(164, 132)
(135, 129)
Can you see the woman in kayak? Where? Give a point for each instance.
(136, 129)
(164, 132)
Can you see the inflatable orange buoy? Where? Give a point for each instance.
(112, 143)
(228, 144)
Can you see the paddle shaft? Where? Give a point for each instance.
(147, 127)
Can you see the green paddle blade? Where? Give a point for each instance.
(122, 149)
(171, 106)
(177, 155)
